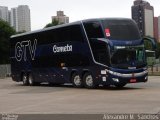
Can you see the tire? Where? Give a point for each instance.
(31, 80)
(76, 80)
(120, 85)
(25, 80)
(89, 81)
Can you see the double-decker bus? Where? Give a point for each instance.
(87, 53)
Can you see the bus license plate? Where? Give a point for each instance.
(133, 80)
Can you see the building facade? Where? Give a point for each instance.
(4, 15)
(23, 16)
(61, 18)
(143, 14)
(18, 17)
(159, 29)
(14, 18)
(156, 31)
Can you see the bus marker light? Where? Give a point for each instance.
(104, 79)
(103, 72)
(62, 64)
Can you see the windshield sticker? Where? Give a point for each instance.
(107, 31)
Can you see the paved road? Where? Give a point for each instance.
(135, 98)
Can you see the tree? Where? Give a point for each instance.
(5, 32)
(53, 23)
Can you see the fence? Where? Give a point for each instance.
(5, 70)
(154, 70)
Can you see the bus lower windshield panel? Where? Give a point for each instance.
(128, 57)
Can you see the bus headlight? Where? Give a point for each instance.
(146, 78)
(115, 79)
(115, 73)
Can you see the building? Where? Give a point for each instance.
(18, 18)
(159, 29)
(143, 14)
(23, 17)
(156, 32)
(61, 18)
(4, 15)
(14, 18)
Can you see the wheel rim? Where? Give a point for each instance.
(77, 80)
(89, 80)
(24, 79)
(30, 80)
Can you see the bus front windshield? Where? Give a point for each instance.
(128, 57)
(121, 29)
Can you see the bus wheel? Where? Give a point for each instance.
(31, 80)
(89, 81)
(77, 81)
(24, 79)
(120, 85)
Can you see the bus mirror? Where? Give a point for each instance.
(149, 43)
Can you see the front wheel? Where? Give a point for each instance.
(120, 85)
(89, 81)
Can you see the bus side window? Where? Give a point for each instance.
(76, 33)
(99, 48)
(94, 30)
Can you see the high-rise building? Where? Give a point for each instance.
(23, 15)
(18, 18)
(4, 13)
(156, 36)
(143, 14)
(14, 18)
(61, 18)
(159, 29)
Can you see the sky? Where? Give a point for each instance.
(42, 10)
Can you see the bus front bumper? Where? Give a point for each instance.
(116, 77)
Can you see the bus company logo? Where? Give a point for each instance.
(21, 48)
(67, 48)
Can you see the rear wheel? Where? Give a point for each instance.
(77, 81)
(89, 81)
(31, 80)
(24, 79)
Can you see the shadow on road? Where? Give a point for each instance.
(69, 86)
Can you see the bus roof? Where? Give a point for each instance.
(45, 29)
(64, 25)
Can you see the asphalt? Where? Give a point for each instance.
(64, 99)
